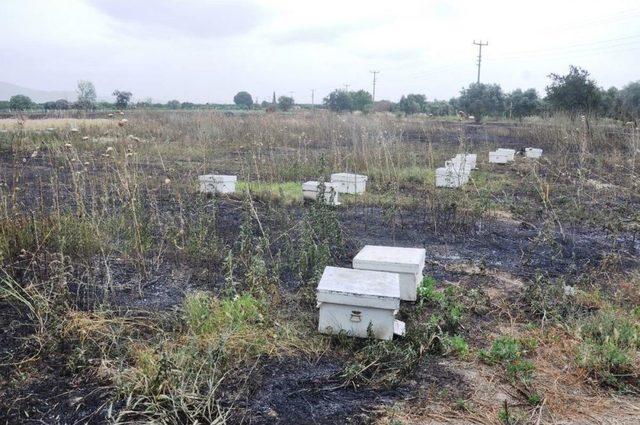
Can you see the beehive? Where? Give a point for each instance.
(510, 153)
(502, 156)
(317, 191)
(451, 176)
(212, 183)
(407, 262)
(533, 152)
(354, 301)
(349, 183)
(468, 159)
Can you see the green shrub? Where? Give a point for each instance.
(609, 348)
(455, 344)
(510, 352)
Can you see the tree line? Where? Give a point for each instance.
(574, 93)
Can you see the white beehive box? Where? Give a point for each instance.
(451, 177)
(407, 262)
(468, 159)
(533, 152)
(211, 183)
(313, 190)
(498, 158)
(352, 300)
(510, 153)
(349, 183)
(502, 156)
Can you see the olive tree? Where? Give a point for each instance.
(20, 102)
(122, 98)
(481, 100)
(285, 103)
(574, 92)
(243, 99)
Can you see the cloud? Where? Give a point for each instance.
(319, 35)
(196, 18)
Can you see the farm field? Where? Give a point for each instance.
(126, 296)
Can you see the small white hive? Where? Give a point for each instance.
(533, 153)
(354, 300)
(349, 183)
(502, 156)
(451, 176)
(313, 190)
(510, 153)
(212, 183)
(468, 159)
(407, 262)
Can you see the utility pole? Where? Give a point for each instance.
(374, 84)
(480, 44)
(346, 87)
(313, 92)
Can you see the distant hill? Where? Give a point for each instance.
(7, 90)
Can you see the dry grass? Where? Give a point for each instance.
(98, 225)
(57, 124)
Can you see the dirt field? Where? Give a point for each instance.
(129, 297)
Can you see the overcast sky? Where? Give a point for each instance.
(207, 50)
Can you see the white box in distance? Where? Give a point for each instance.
(212, 183)
(502, 156)
(349, 183)
(532, 152)
(451, 177)
(354, 301)
(468, 159)
(407, 262)
(317, 192)
(510, 153)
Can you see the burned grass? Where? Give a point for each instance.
(131, 297)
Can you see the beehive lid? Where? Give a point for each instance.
(217, 178)
(359, 288)
(348, 177)
(390, 258)
(507, 151)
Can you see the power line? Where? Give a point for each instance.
(480, 44)
(374, 84)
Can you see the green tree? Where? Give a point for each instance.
(339, 101)
(413, 103)
(439, 108)
(20, 102)
(62, 104)
(361, 100)
(610, 103)
(630, 100)
(574, 92)
(243, 99)
(122, 98)
(521, 104)
(173, 104)
(86, 95)
(481, 100)
(285, 103)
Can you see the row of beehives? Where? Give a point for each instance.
(367, 297)
(457, 170)
(328, 191)
(502, 156)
